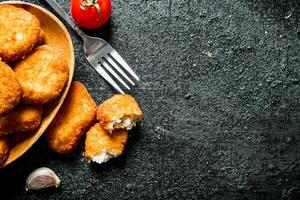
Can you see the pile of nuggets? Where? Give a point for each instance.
(106, 127)
(32, 74)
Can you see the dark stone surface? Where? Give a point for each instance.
(220, 93)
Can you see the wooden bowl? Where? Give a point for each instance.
(58, 38)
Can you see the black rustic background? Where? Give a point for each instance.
(220, 94)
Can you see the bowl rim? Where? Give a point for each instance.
(58, 104)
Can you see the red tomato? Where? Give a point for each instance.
(90, 14)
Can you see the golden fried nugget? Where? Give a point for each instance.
(4, 149)
(100, 146)
(10, 90)
(23, 118)
(76, 115)
(42, 75)
(19, 32)
(120, 111)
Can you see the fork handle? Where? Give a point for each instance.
(66, 17)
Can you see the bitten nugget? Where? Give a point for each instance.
(4, 149)
(10, 90)
(19, 32)
(120, 111)
(42, 75)
(100, 146)
(23, 118)
(76, 115)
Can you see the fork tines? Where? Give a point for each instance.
(112, 63)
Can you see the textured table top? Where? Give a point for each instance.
(221, 98)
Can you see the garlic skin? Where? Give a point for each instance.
(41, 178)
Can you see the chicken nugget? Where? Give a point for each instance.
(42, 75)
(4, 149)
(19, 32)
(10, 90)
(75, 116)
(22, 118)
(120, 111)
(100, 146)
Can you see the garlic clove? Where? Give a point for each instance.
(41, 178)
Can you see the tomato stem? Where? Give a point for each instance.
(88, 3)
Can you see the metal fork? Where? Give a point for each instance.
(100, 54)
